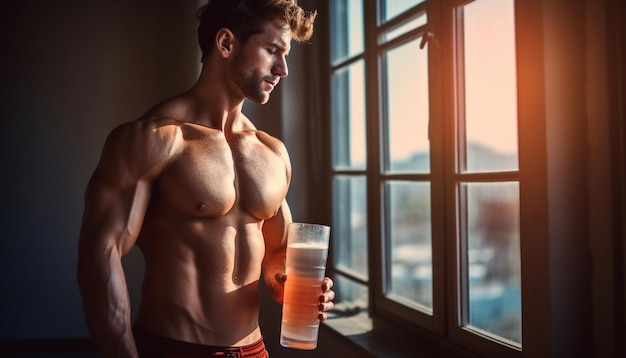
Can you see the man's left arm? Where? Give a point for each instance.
(275, 235)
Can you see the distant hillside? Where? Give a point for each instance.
(479, 158)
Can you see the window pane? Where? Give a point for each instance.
(493, 258)
(346, 29)
(490, 85)
(405, 27)
(348, 117)
(352, 297)
(409, 243)
(392, 8)
(350, 225)
(407, 110)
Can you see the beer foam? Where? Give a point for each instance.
(308, 245)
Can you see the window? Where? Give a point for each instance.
(425, 173)
(349, 161)
(486, 176)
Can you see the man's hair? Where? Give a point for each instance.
(247, 17)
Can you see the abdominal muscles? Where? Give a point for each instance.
(201, 282)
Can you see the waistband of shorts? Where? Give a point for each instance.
(156, 342)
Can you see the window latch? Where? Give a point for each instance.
(429, 36)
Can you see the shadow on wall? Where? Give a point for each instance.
(71, 72)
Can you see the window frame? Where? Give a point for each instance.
(446, 303)
(456, 174)
(381, 306)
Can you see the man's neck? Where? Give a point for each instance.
(214, 104)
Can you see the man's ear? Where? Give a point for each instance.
(224, 42)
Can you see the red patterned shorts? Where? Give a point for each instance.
(153, 346)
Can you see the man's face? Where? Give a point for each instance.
(262, 61)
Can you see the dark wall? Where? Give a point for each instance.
(70, 72)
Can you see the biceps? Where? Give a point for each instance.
(275, 229)
(275, 235)
(113, 215)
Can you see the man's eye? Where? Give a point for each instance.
(272, 51)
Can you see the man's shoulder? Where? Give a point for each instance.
(268, 140)
(142, 143)
(146, 129)
(275, 145)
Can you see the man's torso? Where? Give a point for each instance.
(202, 239)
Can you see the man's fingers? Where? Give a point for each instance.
(327, 296)
(327, 284)
(326, 306)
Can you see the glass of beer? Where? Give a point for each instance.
(307, 250)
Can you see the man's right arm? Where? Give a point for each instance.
(116, 200)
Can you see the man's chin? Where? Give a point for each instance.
(260, 99)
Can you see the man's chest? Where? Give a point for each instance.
(212, 176)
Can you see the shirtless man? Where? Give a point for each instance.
(202, 193)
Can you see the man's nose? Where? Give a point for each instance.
(280, 67)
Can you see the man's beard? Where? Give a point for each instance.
(247, 80)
